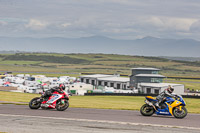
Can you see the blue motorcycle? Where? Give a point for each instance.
(169, 106)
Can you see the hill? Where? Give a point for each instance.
(94, 63)
(148, 46)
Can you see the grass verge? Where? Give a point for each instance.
(98, 102)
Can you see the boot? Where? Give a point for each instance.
(156, 104)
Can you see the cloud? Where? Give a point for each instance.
(154, 21)
(35, 24)
(180, 24)
(113, 18)
(117, 1)
(3, 23)
(195, 27)
(168, 23)
(66, 24)
(118, 30)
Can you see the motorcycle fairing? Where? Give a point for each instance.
(53, 98)
(150, 98)
(163, 112)
(168, 110)
(173, 105)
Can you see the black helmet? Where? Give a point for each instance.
(170, 89)
(62, 86)
(47, 93)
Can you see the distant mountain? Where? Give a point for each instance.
(8, 52)
(148, 46)
(191, 59)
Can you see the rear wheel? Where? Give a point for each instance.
(62, 104)
(179, 113)
(147, 110)
(35, 103)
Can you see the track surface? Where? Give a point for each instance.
(91, 120)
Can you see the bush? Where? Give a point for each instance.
(49, 59)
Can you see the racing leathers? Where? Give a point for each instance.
(49, 92)
(161, 97)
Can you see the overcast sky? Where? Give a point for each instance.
(120, 19)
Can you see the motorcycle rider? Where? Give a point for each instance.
(162, 96)
(49, 92)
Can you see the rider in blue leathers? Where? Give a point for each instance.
(162, 96)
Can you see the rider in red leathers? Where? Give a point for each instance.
(49, 92)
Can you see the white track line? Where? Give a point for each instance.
(102, 121)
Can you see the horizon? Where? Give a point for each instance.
(147, 46)
(43, 52)
(98, 36)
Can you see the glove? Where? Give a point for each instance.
(61, 92)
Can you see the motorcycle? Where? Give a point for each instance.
(169, 106)
(59, 101)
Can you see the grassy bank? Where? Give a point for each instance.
(188, 83)
(95, 63)
(99, 102)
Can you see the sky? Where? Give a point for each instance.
(118, 19)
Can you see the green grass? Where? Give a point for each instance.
(96, 63)
(192, 105)
(99, 63)
(99, 102)
(16, 97)
(107, 102)
(186, 82)
(9, 62)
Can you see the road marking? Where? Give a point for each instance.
(101, 121)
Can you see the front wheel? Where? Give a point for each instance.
(147, 110)
(35, 103)
(62, 104)
(179, 113)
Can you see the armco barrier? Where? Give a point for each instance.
(132, 94)
(117, 94)
(190, 96)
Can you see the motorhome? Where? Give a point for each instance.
(80, 88)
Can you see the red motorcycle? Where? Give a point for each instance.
(56, 100)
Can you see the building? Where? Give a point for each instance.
(156, 88)
(115, 82)
(80, 88)
(145, 75)
(106, 80)
(142, 80)
(93, 79)
(149, 81)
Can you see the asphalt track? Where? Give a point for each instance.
(19, 118)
